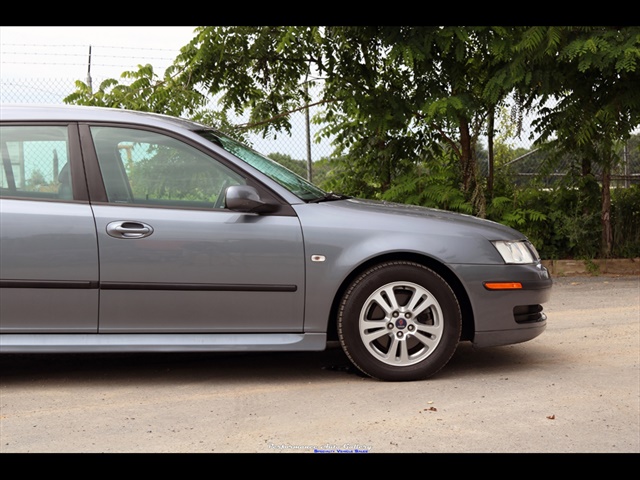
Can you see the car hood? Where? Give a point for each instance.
(397, 213)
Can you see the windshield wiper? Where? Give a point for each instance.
(329, 197)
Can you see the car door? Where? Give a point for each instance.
(48, 247)
(172, 258)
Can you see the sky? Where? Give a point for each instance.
(63, 52)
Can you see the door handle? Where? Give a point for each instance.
(129, 229)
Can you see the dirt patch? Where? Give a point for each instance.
(610, 266)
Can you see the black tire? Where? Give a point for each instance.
(416, 332)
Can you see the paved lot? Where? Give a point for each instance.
(576, 389)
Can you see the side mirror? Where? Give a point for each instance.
(243, 198)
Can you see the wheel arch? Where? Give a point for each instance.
(468, 321)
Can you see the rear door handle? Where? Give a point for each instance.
(129, 229)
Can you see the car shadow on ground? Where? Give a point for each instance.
(329, 365)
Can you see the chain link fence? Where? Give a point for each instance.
(301, 145)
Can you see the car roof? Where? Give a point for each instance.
(80, 113)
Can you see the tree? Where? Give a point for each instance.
(592, 75)
(141, 90)
(144, 91)
(392, 95)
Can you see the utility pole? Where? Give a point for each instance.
(309, 162)
(89, 72)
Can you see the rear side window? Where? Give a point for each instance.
(35, 162)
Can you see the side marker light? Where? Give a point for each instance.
(503, 285)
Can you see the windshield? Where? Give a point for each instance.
(285, 177)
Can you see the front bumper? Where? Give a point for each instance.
(504, 317)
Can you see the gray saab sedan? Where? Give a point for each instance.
(125, 231)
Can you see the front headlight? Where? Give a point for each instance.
(520, 251)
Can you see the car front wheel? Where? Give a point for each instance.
(399, 321)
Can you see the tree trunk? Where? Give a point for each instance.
(466, 159)
(607, 234)
(490, 148)
(586, 166)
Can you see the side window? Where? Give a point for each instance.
(147, 168)
(35, 162)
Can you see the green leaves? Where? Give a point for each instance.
(140, 90)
